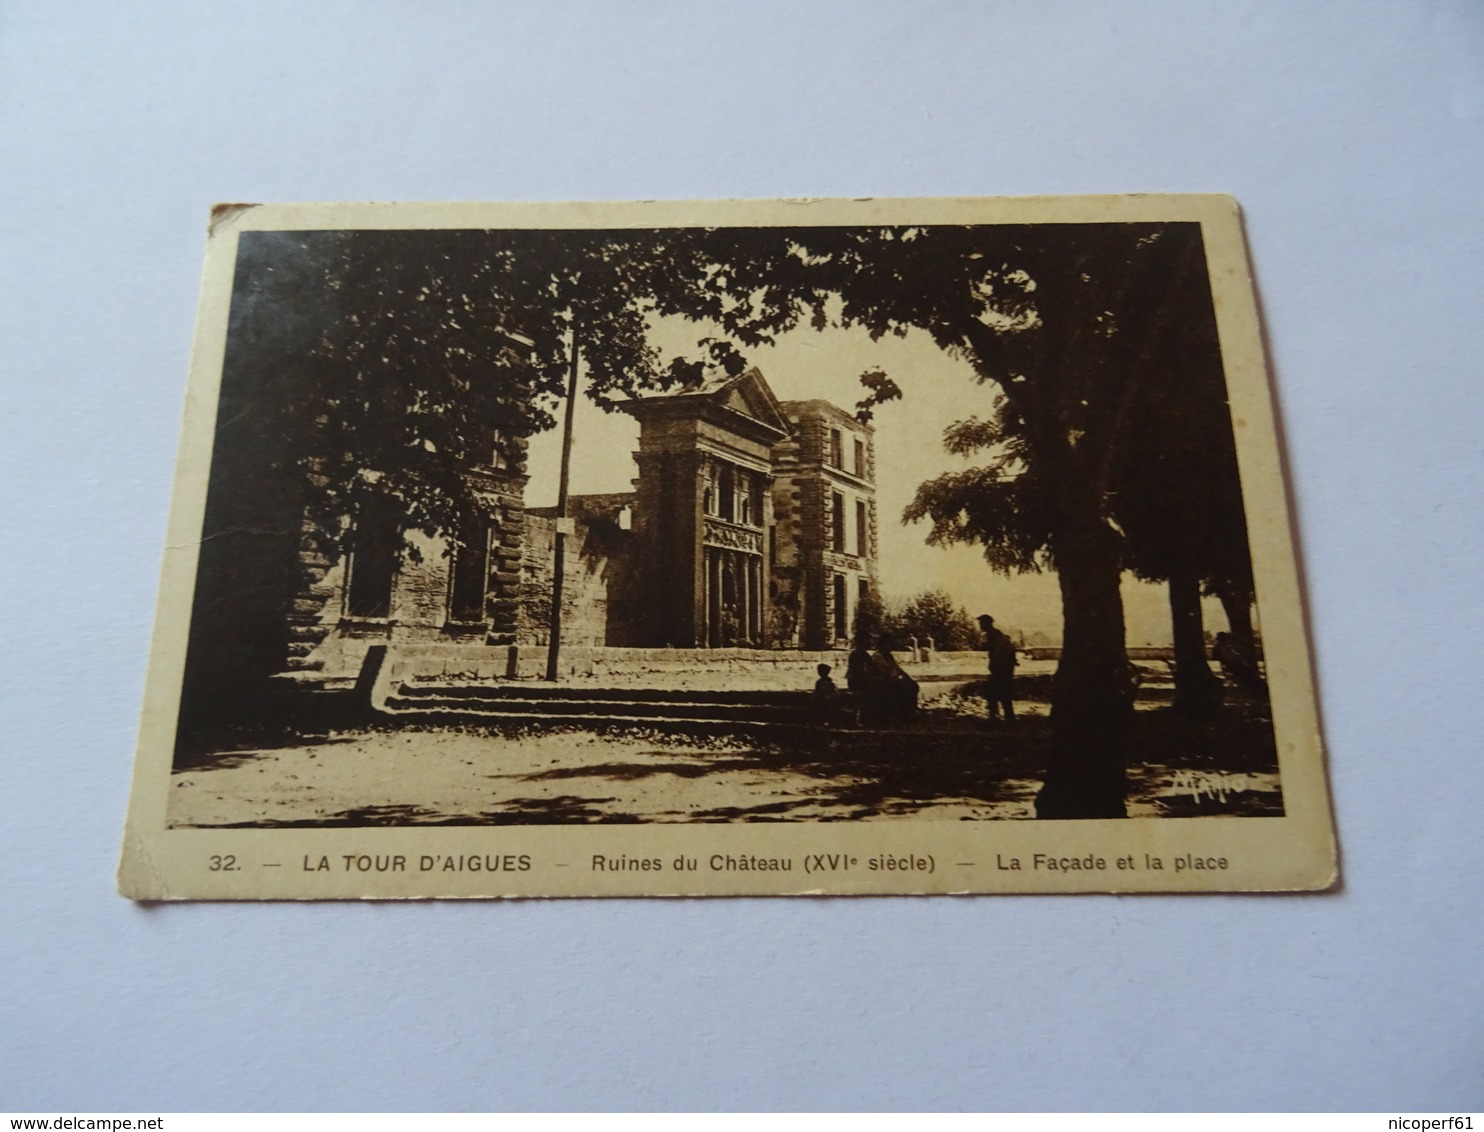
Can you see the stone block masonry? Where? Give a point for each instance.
(752, 525)
(824, 480)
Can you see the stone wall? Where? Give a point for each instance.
(633, 666)
(634, 562)
(786, 583)
(507, 549)
(596, 577)
(807, 480)
(327, 645)
(667, 519)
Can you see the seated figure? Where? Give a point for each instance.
(885, 692)
(824, 687)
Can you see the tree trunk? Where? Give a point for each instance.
(237, 641)
(1197, 690)
(1092, 697)
(1238, 608)
(1243, 665)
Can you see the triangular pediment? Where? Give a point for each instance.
(747, 395)
(750, 395)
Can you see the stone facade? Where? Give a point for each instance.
(752, 526)
(703, 510)
(597, 575)
(824, 506)
(398, 587)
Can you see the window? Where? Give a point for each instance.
(470, 573)
(862, 530)
(728, 494)
(860, 459)
(498, 459)
(842, 615)
(837, 521)
(375, 549)
(709, 493)
(837, 449)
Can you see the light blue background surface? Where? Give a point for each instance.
(1354, 137)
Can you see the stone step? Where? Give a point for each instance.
(531, 692)
(803, 713)
(466, 714)
(310, 680)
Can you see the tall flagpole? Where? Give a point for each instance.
(559, 565)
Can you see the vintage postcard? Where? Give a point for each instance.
(724, 548)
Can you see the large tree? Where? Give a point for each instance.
(1178, 497)
(1071, 326)
(1074, 327)
(365, 373)
(403, 354)
(1174, 494)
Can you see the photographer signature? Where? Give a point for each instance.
(1217, 786)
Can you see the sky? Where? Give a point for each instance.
(937, 390)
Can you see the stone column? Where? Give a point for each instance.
(744, 597)
(707, 617)
(713, 598)
(755, 584)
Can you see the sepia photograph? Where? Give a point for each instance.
(844, 557)
(820, 522)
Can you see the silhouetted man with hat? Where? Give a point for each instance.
(999, 692)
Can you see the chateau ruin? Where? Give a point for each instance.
(752, 525)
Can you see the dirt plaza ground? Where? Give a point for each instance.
(949, 765)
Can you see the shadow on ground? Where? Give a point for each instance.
(942, 767)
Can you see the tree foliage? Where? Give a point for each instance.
(870, 626)
(406, 357)
(1141, 424)
(1074, 328)
(933, 614)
